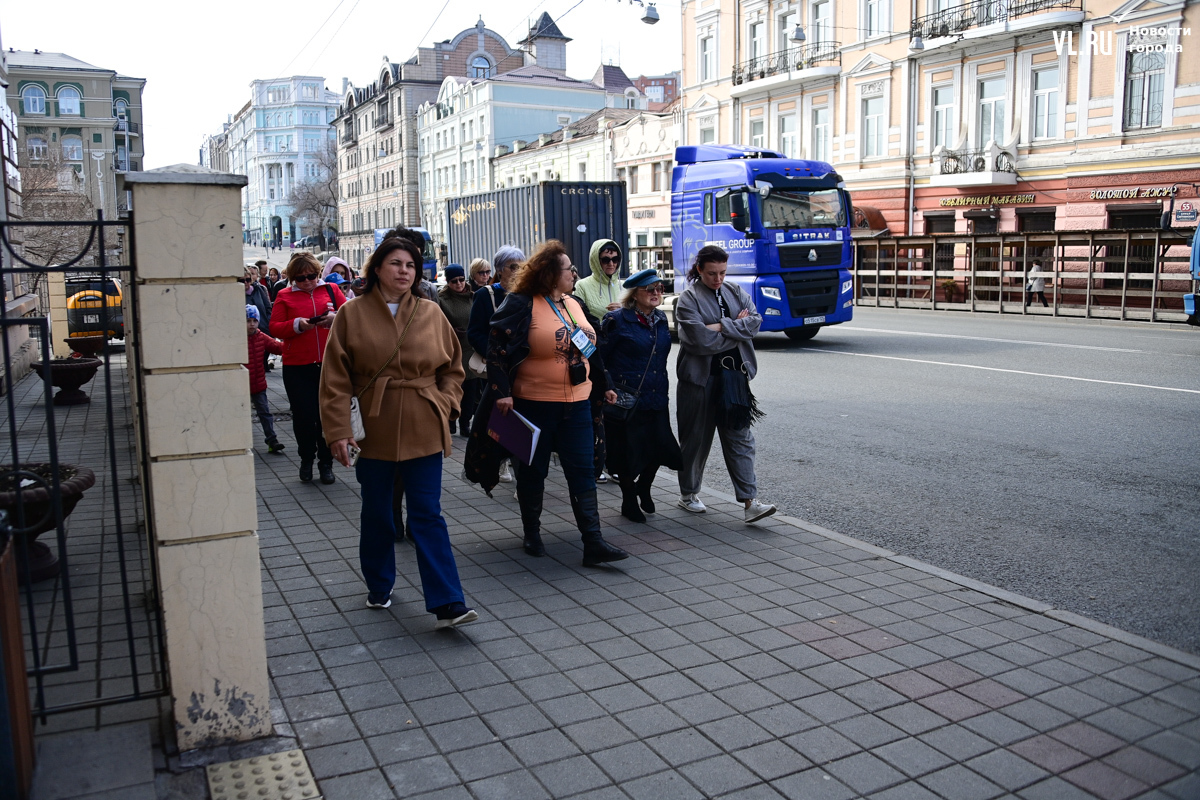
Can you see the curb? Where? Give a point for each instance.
(1027, 603)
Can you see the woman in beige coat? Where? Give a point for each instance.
(397, 353)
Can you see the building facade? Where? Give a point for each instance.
(660, 90)
(1059, 114)
(83, 121)
(643, 156)
(378, 152)
(278, 139)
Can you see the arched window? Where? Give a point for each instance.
(481, 67)
(34, 100)
(37, 148)
(121, 108)
(68, 101)
(631, 98)
(72, 147)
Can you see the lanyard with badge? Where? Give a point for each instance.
(578, 337)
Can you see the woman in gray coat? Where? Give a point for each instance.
(717, 322)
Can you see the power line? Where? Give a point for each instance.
(283, 72)
(424, 35)
(335, 33)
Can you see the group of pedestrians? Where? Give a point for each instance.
(383, 382)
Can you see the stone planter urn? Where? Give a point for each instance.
(39, 509)
(87, 346)
(68, 374)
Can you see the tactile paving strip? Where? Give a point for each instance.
(278, 776)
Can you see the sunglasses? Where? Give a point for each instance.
(457, 280)
(245, 280)
(655, 289)
(312, 276)
(610, 259)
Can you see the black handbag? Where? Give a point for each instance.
(627, 400)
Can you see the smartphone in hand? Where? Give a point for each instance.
(354, 453)
(315, 320)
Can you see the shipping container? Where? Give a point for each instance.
(575, 213)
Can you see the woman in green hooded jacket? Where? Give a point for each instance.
(601, 291)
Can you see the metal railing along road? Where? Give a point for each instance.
(795, 58)
(1127, 275)
(959, 18)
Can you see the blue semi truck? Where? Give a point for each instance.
(429, 252)
(784, 222)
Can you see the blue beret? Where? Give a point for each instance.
(646, 277)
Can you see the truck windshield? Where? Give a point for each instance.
(430, 252)
(791, 209)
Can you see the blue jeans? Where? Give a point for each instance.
(265, 417)
(377, 540)
(566, 430)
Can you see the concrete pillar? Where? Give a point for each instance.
(56, 285)
(200, 504)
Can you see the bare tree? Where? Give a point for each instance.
(315, 198)
(52, 191)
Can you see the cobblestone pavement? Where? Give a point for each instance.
(721, 660)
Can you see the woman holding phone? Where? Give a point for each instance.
(302, 315)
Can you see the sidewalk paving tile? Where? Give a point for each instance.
(720, 661)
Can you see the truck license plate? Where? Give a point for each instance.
(814, 320)
(91, 319)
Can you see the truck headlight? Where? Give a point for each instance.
(773, 312)
(847, 286)
(771, 293)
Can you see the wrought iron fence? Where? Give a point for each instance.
(795, 58)
(1103, 274)
(93, 632)
(959, 18)
(962, 161)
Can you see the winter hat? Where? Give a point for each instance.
(252, 313)
(454, 271)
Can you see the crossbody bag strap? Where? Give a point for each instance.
(492, 295)
(650, 361)
(332, 300)
(393, 355)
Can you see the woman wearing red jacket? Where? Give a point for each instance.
(301, 317)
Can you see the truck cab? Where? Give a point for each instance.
(784, 222)
(428, 252)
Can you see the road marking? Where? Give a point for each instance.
(1010, 371)
(989, 339)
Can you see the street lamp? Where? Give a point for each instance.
(798, 34)
(651, 15)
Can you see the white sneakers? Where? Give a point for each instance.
(756, 511)
(691, 502)
(506, 475)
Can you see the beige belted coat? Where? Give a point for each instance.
(406, 411)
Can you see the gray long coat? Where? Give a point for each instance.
(697, 307)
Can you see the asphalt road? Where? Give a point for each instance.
(1056, 459)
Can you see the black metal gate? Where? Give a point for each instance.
(71, 471)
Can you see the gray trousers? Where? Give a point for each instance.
(696, 415)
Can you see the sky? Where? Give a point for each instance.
(198, 59)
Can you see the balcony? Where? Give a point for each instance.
(786, 67)
(988, 166)
(966, 19)
(383, 120)
(348, 135)
(134, 128)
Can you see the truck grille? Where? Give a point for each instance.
(812, 292)
(793, 256)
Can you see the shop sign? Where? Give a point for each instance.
(643, 213)
(1186, 212)
(1133, 192)
(988, 200)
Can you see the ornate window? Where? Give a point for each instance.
(37, 148)
(1144, 78)
(1045, 103)
(121, 108)
(481, 67)
(72, 147)
(872, 115)
(68, 101)
(34, 100)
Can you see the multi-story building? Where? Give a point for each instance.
(279, 138)
(580, 151)
(377, 133)
(475, 117)
(643, 156)
(1055, 114)
(660, 90)
(84, 120)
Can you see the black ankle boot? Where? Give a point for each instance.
(326, 473)
(531, 522)
(306, 471)
(645, 484)
(629, 502)
(596, 551)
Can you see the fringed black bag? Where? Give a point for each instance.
(738, 409)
